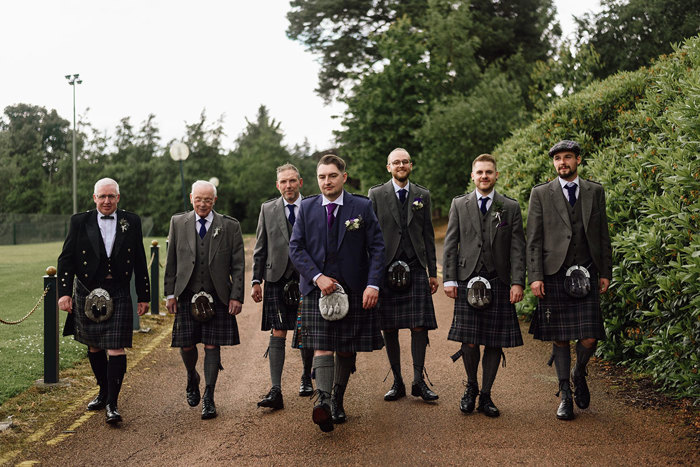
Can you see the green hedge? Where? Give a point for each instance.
(640, 136)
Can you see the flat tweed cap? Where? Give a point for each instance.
(565, 145)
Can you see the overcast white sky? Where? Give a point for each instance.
(171, 58)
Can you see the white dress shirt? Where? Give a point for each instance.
(108, 229)
(563, 184)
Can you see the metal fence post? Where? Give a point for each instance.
(155, 278)
(50, 327)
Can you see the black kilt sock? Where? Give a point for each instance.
(276, 356)
(470, 357)
(393, 351)
(212, 365)
(98, 363)
(324, 369)
(419, 341)
(562, 361)
(189, 358)
(489, 368)
(116, 367)
(307, 358)
(344, 366)
(583, 355)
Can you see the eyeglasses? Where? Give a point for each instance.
(109, 197)
(204, 200)
(397, 163)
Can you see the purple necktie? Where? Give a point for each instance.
(330, 207)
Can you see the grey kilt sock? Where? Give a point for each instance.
(212, 365)
(276, 356)
(189, 358)
(489, 368)
(307, 358)
(419, 341)
(324, 369)
(343, 367)
(393, 351)
(562, 361)
(583, 355)
(470, 357)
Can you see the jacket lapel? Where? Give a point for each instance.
(215, 239)
(558, 201)
(500, 201)
(409, 200)
(93, 232)
(190, 232)
(118, 235)
(390, 197)
(280, 213)
(586, 199)
(473, 211)
(345, 212)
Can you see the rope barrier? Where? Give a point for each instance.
(46, 290)
(150, 261)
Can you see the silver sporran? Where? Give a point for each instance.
(202, 308)
(335, 305)
(99, 306)
(577, 283)
(479, 292)
(398, 276)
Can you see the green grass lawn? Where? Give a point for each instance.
(22, 268)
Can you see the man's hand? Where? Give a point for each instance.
(537, 288)
(234, 307)
(433, 284)
(142, 308)
(516, 293)
(65, 303)
(369, 298)
(604, 284)
(171, 305)
(451, 291)
(326, 284)
(256, 293)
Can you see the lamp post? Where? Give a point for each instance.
(73, 80)
(179, 152)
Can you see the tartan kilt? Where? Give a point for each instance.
(115, 333)
(222, 329)
(494, 326)
(359, 331)
(412, 308)
(569, 318)
(275, 314)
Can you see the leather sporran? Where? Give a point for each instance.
(398, 276)
(334, 306)
(577, 283)
(291, 295)
(99, 306)
(479, 292)
(202, 308)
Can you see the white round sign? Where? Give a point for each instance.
(179, 151)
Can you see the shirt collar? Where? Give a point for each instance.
(563, 182)
(99, 215)
(209, 218)
(296, 203)
(397, 188)
(338, 201)
(490, 195)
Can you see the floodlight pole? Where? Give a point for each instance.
(72, 80)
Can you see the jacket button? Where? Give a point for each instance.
(83, 251)
(86, 276)
(84, 263)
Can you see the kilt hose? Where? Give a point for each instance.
(412, 308)
(559, 317)
(359, 331)
(275, 313)
(222, 329)
(494, 326)
(116, 332)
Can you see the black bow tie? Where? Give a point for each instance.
(107, 217)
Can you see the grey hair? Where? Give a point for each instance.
(288, 166)
(203, 183)
(105, 181)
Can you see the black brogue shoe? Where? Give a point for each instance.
(566, 407)
(193, 394)
(468, 401)
(99, 402)
(112, 414)
(582, 395)
(487, 407)
(397, 391)
(273, 399)
(306, 389)
(208, 406)
(420, 389)
(321, 414)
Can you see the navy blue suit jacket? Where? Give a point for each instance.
(360, 252)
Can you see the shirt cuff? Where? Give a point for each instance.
(450, 284)
(168, 297)
(373, 287)
(316, 277)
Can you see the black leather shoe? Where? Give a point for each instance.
(337, 410)
(113, 415)
(193, 395)
(566, 407)
(99, 402)
(321, 414)
(487, 407)
(208, 406)
(468, 401)
(397, 391)
(306, 389)
(582, 395)
(423, 391)
(273, 399)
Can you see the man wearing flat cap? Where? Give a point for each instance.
(569, 263)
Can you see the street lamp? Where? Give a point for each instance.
(179, 152)
(214, 181)
(73, 80)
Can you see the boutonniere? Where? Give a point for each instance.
(124, 224)
(353, 224)
(417, 203)
(497, 213)
(216, 231)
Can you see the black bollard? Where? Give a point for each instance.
(50, 327)
(155, 278)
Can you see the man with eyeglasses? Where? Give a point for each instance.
(102, 251)
(404, 212)
(203, 285)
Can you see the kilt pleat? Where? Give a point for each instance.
(359, 331)
(494, 326)
(222, 329)
(559, 317)
(409, 309)
(275, 314)
(115, 333)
